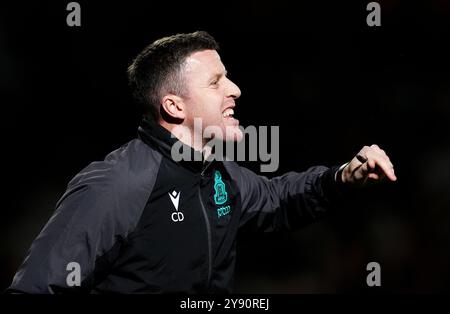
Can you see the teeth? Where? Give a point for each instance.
(228, 113)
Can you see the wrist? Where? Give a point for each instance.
(340, 176)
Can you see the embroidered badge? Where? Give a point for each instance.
(221, 194)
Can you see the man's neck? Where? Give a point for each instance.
(187, 137)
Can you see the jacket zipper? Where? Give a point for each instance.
(208, 230)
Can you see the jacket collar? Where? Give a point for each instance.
(155, 135)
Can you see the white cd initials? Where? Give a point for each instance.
(175, 198)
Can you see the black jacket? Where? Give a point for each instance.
(139, 222)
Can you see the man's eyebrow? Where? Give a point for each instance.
(219, 75)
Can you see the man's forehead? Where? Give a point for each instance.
(205, 60)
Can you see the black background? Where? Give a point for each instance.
(314, 68)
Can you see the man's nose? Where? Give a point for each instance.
(233, 90)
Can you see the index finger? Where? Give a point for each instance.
(385, 166)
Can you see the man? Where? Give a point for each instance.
(142, 222)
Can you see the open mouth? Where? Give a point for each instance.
(228, 117)
(228, 113)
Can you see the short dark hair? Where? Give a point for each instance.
(158, 69)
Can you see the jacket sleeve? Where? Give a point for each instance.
(289, 201)
(101, 206)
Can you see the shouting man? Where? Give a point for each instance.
(142, 221)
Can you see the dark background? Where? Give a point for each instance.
(314, 68)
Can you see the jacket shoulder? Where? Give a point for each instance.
(116, 189)
(125, 171)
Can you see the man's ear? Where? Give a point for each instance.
(174, 107)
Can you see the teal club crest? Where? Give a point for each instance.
(221, 194)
